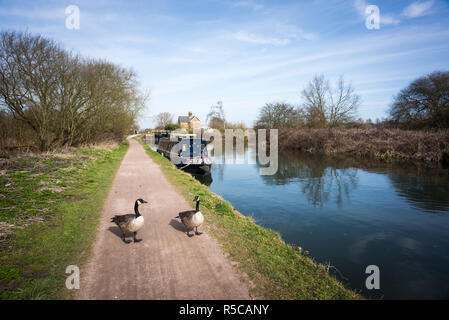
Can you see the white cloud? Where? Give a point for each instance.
(279, 34)
(418, 9)
(387, 19)
(252, 38)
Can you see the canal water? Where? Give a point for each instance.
(351, 213)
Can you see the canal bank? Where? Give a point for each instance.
(278, 270)
(429, 148)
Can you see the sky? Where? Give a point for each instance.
(190, 54)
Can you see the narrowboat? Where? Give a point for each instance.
(189, 154)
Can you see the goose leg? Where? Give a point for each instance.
(136, 240)
(188, 233)
(197, 233)
(124, 240)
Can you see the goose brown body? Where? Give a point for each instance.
(130, 222)
(192, 218)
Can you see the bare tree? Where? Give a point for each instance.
(315, 105)
(343, 104)
(279, 115)
(326, 106)
(163, 119)
(216, 116)
(424, 103)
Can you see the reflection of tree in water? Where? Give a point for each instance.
(321, 177)
(337, 182)
(427, 191)
(217, 168)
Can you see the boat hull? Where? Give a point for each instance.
(175, 152)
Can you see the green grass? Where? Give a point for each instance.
(53, 204)
(278, 270)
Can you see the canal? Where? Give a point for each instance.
(352, 213)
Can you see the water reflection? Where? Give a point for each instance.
(321, 179)
(204, 178)
(424, 192)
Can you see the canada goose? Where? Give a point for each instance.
(130, 222)
(192, 218)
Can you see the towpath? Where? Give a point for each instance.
(166, 264)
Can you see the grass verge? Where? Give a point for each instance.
(278, 270)
(50, 206)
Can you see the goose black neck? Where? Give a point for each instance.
(198, 206)
(136, 209)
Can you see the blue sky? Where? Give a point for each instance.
(190, 54)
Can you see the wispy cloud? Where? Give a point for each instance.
(418, 9)
(388, 19)
(291, 31)
(267, 40)
(277, 34)
(360, 6)
(45, 14)
(249, 4)
(257, 39)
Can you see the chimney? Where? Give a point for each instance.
(190, 114)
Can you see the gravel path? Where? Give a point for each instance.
(166, 264)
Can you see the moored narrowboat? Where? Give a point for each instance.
(189, 154)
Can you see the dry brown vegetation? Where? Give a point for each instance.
(431, 148)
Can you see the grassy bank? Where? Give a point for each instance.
(278, 270)
(430, 148)
(50, 206)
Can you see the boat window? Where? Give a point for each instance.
(193, 148)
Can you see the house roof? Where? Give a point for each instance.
(186, 118)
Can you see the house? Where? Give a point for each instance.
(189, 122)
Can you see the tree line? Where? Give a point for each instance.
(424, 104)
(215, 119)
(324, 105)
(50, 97)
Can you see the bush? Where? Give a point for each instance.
(171, 126)
(385, 144)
